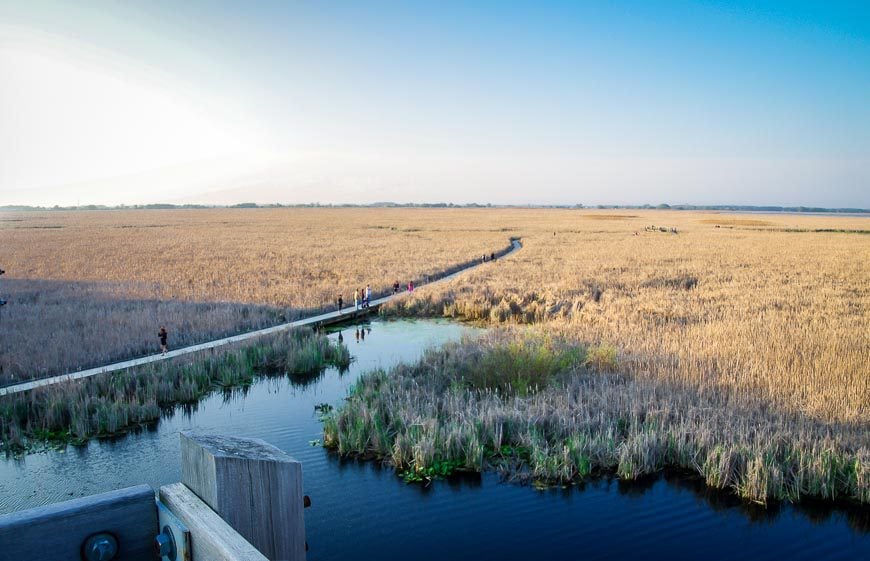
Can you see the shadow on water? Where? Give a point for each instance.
(457, 481)
(636, 487)
(720, 500)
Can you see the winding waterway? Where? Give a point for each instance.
(363, 511)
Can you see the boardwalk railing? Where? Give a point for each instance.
(239, 500)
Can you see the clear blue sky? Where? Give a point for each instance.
(502, 102)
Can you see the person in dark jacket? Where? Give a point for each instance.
(162, 334)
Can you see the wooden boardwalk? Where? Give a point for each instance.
(327, 318)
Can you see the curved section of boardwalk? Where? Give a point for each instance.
(321, 319)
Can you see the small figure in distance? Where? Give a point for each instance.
(396, 287)
(411, 286)
(368, 298)
(340, 303)
(356, 299)
(162, 334)
(492, 256)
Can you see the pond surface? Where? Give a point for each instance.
(363, 511)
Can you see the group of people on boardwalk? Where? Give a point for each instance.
(362, 297)
(361, 300)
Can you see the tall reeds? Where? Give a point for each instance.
(575, 420)
(111, 403)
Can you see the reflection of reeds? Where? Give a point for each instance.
(573, 421)
(111, 403)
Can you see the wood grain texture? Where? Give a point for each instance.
(212, 539)
(58, 531)
(251, 484)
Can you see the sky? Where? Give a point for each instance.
(679, 102)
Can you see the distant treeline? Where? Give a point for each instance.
(167, 206)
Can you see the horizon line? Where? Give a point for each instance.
(389, 204)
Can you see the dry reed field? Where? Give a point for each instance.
(756, 307)
(87, 288)
(734, 347)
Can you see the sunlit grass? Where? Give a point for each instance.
(429, 419)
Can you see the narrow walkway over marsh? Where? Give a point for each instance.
(327, 318)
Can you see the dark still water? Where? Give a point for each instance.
(363, 511)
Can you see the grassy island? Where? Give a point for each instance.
(541, 408)
(113, 403)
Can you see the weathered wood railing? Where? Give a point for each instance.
(239, 500)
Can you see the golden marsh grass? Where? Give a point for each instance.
(775, 315)
(88, 288)
(724, 329)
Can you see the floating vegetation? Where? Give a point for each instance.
(109, 404)
(541, 410)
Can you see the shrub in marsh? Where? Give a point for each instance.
(521, 366)
(602, 357)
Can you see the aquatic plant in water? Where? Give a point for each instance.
(537, 408)
(112, 403)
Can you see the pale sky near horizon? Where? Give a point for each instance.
(756, 103)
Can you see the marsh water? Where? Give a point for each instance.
(364, 511)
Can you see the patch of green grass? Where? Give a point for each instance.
(439, 469)
(602, 358)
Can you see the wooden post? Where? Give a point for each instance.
(59, 531)
(255, 487)
(212, 539)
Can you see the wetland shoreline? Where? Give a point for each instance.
(544, 410)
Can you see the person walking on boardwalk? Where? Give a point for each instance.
(356, 299)
(396, 287)
(368, 295)
(411, 286)
(340, 303)
(162, 334)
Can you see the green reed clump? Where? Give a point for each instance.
(461, 407)
(519, 366)
(112, 403)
